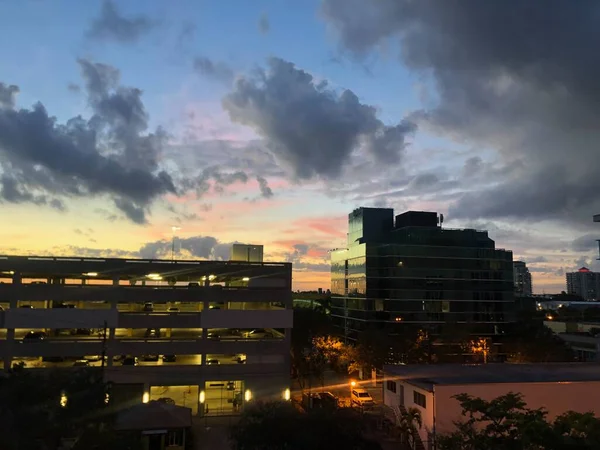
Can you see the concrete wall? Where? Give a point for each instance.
(557, 398)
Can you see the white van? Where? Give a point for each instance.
(361, 397)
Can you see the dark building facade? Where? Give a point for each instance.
(522, 276)
(410, 270)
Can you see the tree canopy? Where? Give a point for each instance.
(506, 423)
(280, 425)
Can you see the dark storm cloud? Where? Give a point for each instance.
(111, 25)
(518, 77)
(109, 154)
(585, 243)
(7, 95)
(265, 190)
(308, 126)
(220, 180)
(218, 70)
(263, 24)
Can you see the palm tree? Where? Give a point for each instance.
(410, 424)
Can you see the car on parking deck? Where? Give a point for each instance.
(173, 309)
(81, 363)
(130, 361)
(150, 358)
(34, 336)
(169, 358)
(213, 362)
(148, 307)
(152, 333)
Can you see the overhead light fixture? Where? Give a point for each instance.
(287, 394)
(202, 397)
(212, 277)
(154, 276)
(248, 395)
(245, 279)
(90, 274)
(63, 399)
(146, 397)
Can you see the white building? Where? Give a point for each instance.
(584, 283)
(211, 335)
(430, 389)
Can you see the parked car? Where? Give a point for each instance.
(152, 333)
(173, 309)
(193, 285)
(130, 361)
(81, 331)
(26, 306)
(148, 307)
(37, 282)
(259, 333)
(150, 358)
(169, 358)
(361, 397)
(213, 362)
(213, 335)
(81, 363)
(93, 358)
(167, 400)
(34, 336)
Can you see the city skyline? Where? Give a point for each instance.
(268, 124)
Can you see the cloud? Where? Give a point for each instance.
(110, 154)
(309, 127)
(585, 243)
(204, 247)
(510, 76)
(110, 25)
(265, 190)
(74, 87)
(220, 180)
(7, 95)
(216, 70)
(263, 24)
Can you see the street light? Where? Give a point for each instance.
(63, 399)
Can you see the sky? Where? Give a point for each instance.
(268, 121)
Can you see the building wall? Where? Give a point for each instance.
(557, 398)
(395, 400)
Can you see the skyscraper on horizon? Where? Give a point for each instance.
(522, 277)
(412, 271)
(584, 283)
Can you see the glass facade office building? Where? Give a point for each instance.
(412, 271)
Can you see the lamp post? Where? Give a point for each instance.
(173, 230)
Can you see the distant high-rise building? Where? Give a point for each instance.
(597, 219)
(247, 253)
(412, 271)
(522, 277)
(584, 283)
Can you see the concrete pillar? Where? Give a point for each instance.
(110, 353)
(115, 281)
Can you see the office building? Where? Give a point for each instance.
(597, 219)
(211, 335)
(522, 276)
(413, 271)
(431, 389)
(247, 252)
(584, 283)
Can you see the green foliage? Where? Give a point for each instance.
(280, 425)
(505, 423)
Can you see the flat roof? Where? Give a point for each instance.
(107, 268)
(427, 376)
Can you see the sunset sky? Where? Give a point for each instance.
(268, 121)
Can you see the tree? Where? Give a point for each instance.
(280, 425)
(409, 426)
(31, 414)
(505, 423)
(531, 341)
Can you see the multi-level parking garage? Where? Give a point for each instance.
(208, 334)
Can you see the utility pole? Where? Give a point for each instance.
(104, 342)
